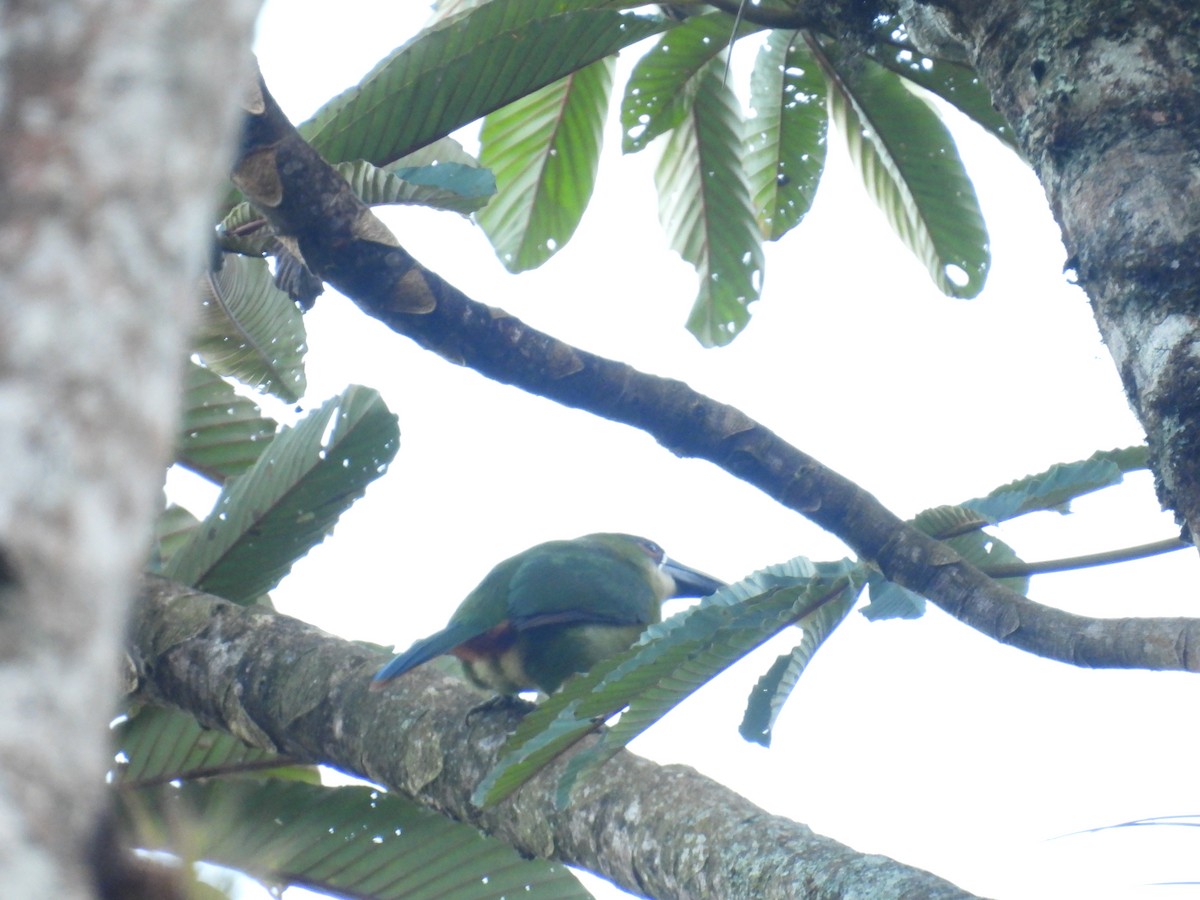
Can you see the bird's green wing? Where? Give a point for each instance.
(571, 581)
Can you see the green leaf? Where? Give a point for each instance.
(891, 601)
(450, 186)
(671, 661)
(465, 66)
(785, 138)
(158, 745)
(250, 330)
(172, 530)
(948, 521)
(290, 499)
(957, 84)
(775, 686)
(346, 841)
(662, 86)
(544, 149)
(222, 433)
(982, 550)
(704, 204)
(911, 169)
(1055, 488)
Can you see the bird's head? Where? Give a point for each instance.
(670, 578)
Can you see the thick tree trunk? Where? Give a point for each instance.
(1105, 101)
(116, 117)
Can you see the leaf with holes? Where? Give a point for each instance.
(785, 136)
(704, 204)
(911, 169)
(544, 150)
(290, 499)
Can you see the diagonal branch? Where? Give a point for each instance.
(346, 244)
(665, 831)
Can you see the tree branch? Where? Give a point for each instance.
(348, 246)
(666, 831)
(1088, 560)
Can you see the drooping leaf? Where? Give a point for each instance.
(222, 433)
(463, 67)
(704, 204)
(671, 661)
(785, 137)
(957, 84)
(911, 169)
(250, 330)
(544, 150)
(346, 841)
(776, 685)
(290, 499)
(662, 87)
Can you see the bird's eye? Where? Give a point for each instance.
(652, 549)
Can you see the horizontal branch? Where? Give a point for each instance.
(667, 831)
(344, 243)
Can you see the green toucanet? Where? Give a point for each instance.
(556, 609)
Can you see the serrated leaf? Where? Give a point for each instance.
(776, 685)
(663, 84)
(463, 67)
(346, 841)
(221, 433)
(911, 169)
(957, 84)
(1055, 488)
(244, 230)
(704, 205)
(250, 330)
(785, 138)
(947, 521)
(671, 661)
(158, 745)
(450, 186)
(544, 149)
(290, 499)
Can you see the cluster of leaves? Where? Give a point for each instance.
(540, 76)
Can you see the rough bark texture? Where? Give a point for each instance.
(111, 144)
(1105, 101)
(664, 831)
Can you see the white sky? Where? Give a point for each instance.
(920, 740)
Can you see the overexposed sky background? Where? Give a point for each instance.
(920, 740)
